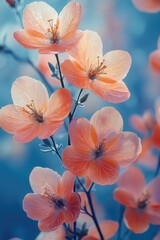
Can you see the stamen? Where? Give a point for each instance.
(95, 71)
(33, 112)
(144, 200)
(54, 200)
(98, 152)
(52, 32)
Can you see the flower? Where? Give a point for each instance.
(142, 201)
(108, 228)
(53, 201)
(150, 6)
(154, 59)
(46, 31)
(33, 113)
(89, 69)
(99, 147)
(57, 234)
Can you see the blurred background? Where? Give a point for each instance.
(121, 26)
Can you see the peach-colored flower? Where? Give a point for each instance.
(47, 31)
(33, 113)
(57, 234)
(53, 201)
(99, 147)
(154, 59)
(149, 126)
(108, 228)
(142, 201)
(151, 6)
(44, 59)
(89, 69)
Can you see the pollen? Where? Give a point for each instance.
(94, 71)
(33, 112)
(144, 200)
(98, 152)
(52, 32)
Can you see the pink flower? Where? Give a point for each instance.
(150, 6)
(103, 75)
(46, 31)
(142, 201)
(99, 147)
(53, 201)
(33, 113)
(154, 59)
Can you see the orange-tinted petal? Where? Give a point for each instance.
(44, 178)
(136, 220)
(154, 189)
(154, 61)
(37, 206)
(52, 222)
(82, 135)
(118, 63)
(30, 41)
(76, 161)
(103, 171)
(106, 121)
(124, 197)
(48, 128)
(74, 75)
(147, 5)
(67, 184)
(124, 148)
(156, 136)
(27, 133)
(111, 92)
(87, 50)
(12, 118)
(72, 210)
(36, 16)
(69, 19)
(108, 228)
(153, 211)
(59, 106)
(133, 181)
(26, 89)
(138, 123)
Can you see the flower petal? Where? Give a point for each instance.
(154, 189)
(111, 92)
(37, 206)
(133, 181)
(30, 41)
(67, 184)
(72, 208)
(118, 63)
(124, 148)
(69, 19)
(28, 133)
(147, 5)
(156, 135)
(57, 234)
(153, 211)
(42, 179)
(13, 118)
(82, 135)
(52, 222)
(137, 221)
(124, 197)
(74, 74)
(26, 89)
(108, 228)
(103, 171)
(36, 16)
(106, 121)
(48, 128)
(87, 50)
(76, 161)
(59, 106)
(154, 61)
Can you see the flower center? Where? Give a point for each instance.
(98, 152)
(52, 32)
(99, 69)
(55, 201)
(144, 200)
(33, 112)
